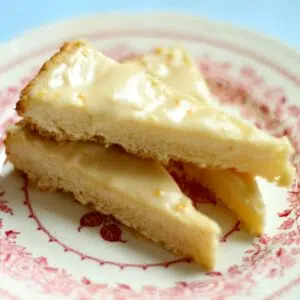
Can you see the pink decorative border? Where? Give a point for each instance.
(283, 290)
(267, 254)
(5, 295)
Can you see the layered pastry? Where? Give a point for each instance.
(238, 191)
(139, 193)
(80, 94)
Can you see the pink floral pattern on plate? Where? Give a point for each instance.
(5, 295)
(109, 229)
(3, 204)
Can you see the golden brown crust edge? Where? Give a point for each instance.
(68, 47)
(63, 138)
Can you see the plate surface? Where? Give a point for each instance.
(53, 248)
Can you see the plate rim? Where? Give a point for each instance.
(169, 15)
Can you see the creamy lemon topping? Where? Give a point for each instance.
(175, 68)
(111, 91)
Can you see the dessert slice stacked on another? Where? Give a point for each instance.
(80, 94)
(98, 109)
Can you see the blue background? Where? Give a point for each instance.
(277, 18)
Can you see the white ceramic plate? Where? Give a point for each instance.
(43, 254)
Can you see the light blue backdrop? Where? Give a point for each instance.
(277, 18)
